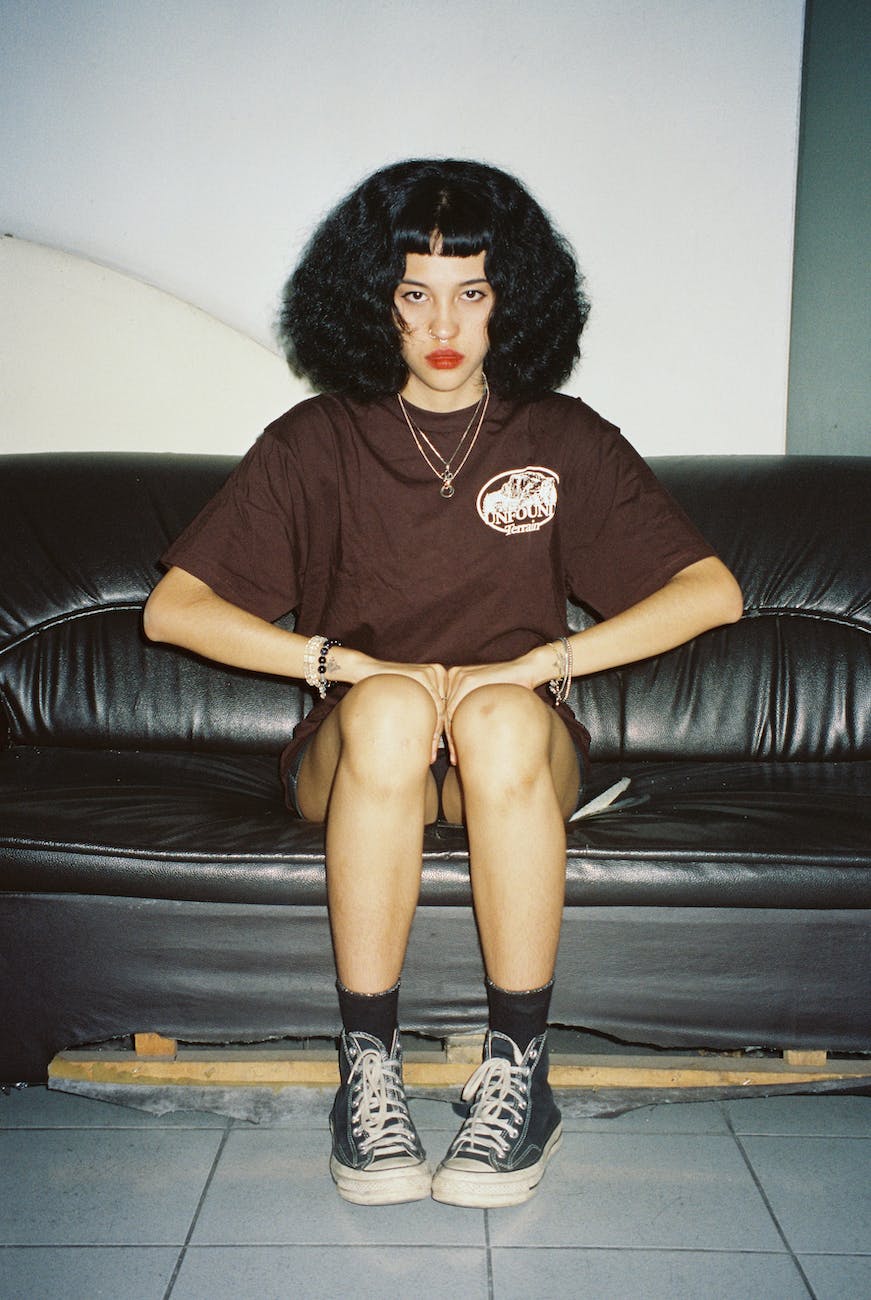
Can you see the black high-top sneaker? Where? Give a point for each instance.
(377, 1156)
(512, 1130)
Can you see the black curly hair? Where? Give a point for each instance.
(338, 303)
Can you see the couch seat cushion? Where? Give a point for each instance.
(214, 828)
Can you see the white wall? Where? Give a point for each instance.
(193, 144)
(93, 360)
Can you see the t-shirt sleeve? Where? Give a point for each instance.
(248, 542)
(624, 536)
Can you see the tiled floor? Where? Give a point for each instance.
(751, 1200)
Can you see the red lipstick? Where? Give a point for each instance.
(444, 359)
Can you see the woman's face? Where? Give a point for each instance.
(444, 304)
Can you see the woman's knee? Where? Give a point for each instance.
(385, 713)
(501, 725)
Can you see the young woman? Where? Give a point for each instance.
(425, 517)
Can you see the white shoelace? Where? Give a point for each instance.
(499, 1113)
(379, 1111)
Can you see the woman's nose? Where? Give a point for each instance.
(443, 325)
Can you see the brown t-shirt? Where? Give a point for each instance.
(334, 514)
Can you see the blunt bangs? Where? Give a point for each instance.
(442, 214)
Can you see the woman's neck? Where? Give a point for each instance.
(443, 401)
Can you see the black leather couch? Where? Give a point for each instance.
(151, 879)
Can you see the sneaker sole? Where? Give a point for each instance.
(381, 1186)
(487, 1189)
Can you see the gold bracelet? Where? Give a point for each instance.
(560, 686)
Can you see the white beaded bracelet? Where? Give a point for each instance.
(315, 663)
(310, 659)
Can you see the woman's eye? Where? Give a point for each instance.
(414, 295)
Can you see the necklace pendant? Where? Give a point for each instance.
(421, 441)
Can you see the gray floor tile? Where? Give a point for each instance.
(366, 1273)
(819, 1189)
(273, 1187)
(825, 1116)
(656, 1202)
(651, 1274)
(40, 1107)
(643, 1191)
(102, 1186)
(838, 1277)
(85, 1272)
(443, 1115)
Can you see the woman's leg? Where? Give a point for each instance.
(518, 781)
(367, 774)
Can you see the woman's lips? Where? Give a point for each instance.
(444, 359)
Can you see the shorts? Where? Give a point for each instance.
(439, 770)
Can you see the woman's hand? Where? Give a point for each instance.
(529, 671)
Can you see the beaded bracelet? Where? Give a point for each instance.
(561, 685)
(314, 660)
(324, 682)
(310, 659)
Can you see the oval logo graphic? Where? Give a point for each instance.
(519, 500)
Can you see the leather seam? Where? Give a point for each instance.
(70, 616)
(814, 615)
(582, 853)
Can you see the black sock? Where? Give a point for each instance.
(370, 1013)
(521, 1016)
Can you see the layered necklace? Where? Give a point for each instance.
(444, 469)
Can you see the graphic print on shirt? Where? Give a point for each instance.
(519, 500)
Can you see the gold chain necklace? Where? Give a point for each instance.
(446, 473)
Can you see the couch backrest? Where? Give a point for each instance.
(792, 679)
(80, 539)
(80, 536)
